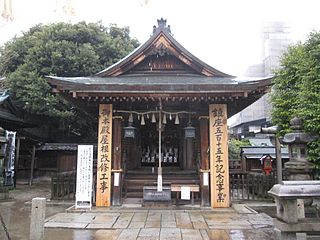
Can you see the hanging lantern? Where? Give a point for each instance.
(153, 118)
(170, 116)
(164, 121)
(189, 131)
(177, 120)
(129, 132)
(142, 120)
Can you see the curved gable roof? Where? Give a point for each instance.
(159, 43)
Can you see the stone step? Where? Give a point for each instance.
(134, 194)
(135, 179)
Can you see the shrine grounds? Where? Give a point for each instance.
(240, 221)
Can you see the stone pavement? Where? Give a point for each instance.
(238, 222)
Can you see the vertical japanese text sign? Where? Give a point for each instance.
(219, 165)
(103, 196)
(84, 176)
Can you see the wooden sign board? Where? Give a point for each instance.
(84, 176)
(103, 192)
(219, 164)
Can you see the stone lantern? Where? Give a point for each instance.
(298, 167)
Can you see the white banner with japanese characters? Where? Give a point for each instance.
(84, 176)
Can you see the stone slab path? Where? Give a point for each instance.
(234, 223)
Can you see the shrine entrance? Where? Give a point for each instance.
(167, 132)
(176, 141)
(170, 144)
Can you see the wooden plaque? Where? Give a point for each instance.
(219, 164)
(103, 192)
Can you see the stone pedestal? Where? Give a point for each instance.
(291, 219)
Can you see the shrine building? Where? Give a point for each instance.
(162, 116)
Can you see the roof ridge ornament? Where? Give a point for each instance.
(162, 25)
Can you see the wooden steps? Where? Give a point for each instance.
(136, 179)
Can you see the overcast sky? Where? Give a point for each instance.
(226, 34)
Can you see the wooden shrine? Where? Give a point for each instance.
(162, 120)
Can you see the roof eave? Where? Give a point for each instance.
(71, 84)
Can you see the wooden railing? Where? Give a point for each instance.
(63, 186)
(250, 186)
(243, 186)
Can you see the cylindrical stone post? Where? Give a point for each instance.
(38, 210)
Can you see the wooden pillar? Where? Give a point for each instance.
(204, 156)
(16, 164)
(181, 147)
(279, 160)
(219, 162)
(189, 153)
(184, 159)
(243, 163)
(116, 162)
(130, 152)
(32, 164)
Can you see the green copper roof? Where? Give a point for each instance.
(147, 80)
(154, 83)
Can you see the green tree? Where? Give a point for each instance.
(234, 148)
(296, 90)
(60, 49)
